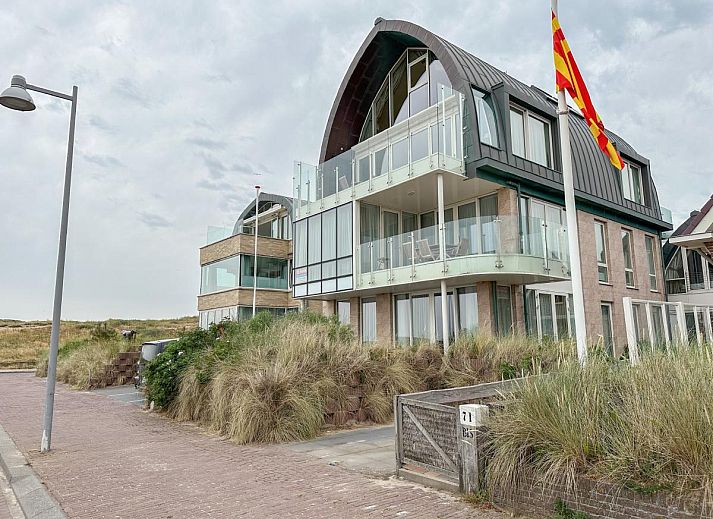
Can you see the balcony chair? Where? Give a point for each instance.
(424, 251)
(459, 250)
(343, 183)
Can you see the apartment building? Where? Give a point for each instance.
(436, 207)
(228, 265)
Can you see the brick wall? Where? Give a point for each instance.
(612, 292)
(384, 321)
(602, 501)
(486, 320)
(245, 244)
(244, 296)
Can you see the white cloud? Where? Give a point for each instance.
(184, 106)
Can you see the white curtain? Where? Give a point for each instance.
(537, 141)
(368, 320)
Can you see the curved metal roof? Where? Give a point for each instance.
(249, 211)
(596, 181)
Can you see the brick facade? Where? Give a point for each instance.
(244, 297)
(245, 244)
(595, 293)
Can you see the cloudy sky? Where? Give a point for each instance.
(185, 105)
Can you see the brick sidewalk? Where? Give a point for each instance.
(110, 459)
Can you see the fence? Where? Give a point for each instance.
(427, 428)
(656, 325)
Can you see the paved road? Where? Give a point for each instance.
(126, 394)
(114, 460)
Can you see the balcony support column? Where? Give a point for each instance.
(442, 250)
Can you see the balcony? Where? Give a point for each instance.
(429, 141)
(471, 250)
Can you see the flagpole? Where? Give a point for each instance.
(572, 231)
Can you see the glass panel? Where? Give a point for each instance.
(428, 227)
(659, 331)
(531, 312)
(418, 99)
(363, 169)
(329, 285)
(418, 75)
(675, 280)
(487, 122)
(399, 154)
(300, 243)
(344, 283)
(450, 227)
(538, 141)
(368, 320)
(467, 310)
(517, 132)
(536, 236)
(381, 162)
(504, 309)
(626, 182)
(329, 234)
(438, 77)
(409, 222)
(381, 109)
(554, 226)
(300, 290)
(419, 145)
(438, 314)
(329, 269)
(636, 184)
(467, 230)
(651, 260)
(420, 317)
(314, 250)
(628, 266)
(391, 230)
(344, 230)
(402, 318)
(369, 232)
(344, 266)
(399, 92)
(344, 312)
(561, 316)
(414, 54)
(367, 130)
(221, 275)
(488, 214)
(314, 288)
(546, 318)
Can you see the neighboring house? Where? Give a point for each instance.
(438, 197)
(226, 290)
(688, 257)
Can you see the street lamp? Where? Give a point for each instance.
(17, 97)
(257, 209)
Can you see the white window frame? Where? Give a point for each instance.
(605, 264)
(628, 270)
(526, 114)
(627, 182)
(651, 262)
(538, 315)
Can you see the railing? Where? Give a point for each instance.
(493, 236)
(660, 325)
(429, 140)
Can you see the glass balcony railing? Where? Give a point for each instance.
(541, 250)
(430, 140)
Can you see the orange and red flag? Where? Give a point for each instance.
(569, 78)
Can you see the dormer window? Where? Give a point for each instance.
(631, 183)
(487, 121)
(531, 136)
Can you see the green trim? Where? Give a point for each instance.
(540, 190)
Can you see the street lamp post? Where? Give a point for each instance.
(17, 98)
(257, 209)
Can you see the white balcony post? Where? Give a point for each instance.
(444, 315)
(631, 331)
(682, 327)
(413, 255)
(441, 220)
(356, 256)
(699, 335)
(667, 332)
(650, 325)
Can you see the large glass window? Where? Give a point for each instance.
(300, 243)
(695, 270)
(627, 246)
(329, 235)
(504, 310)
(344, 230)
(402, 319)
(368, 319)
(412, 85)
(487, 121)
(221, 275)
(421, 318)
(631, 183)
(489, 231)
(271, 272)
(344, 312)
(531, 136)
(467, 310)
(600, 238)
(314, 246)
(675, 275)
(651, 260)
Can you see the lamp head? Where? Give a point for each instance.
(16, 96)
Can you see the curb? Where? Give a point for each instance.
(32, 495)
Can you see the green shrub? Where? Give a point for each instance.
(102, 332)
